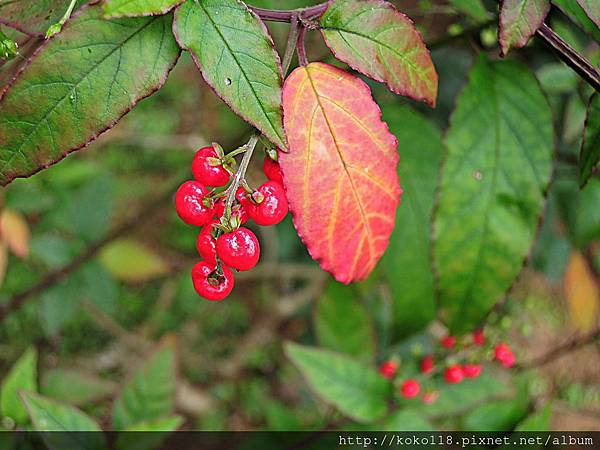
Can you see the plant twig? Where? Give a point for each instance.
(240, 174)
(56, 276)
(291, 44)
(561, 350)
(570, 57)
(273, 15)
(300, 47)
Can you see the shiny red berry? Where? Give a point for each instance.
(239, 249)
(410, 388)
(454, 374)
(206, 244)
(504, 355)
(478, 337)
(427, 364)
(189, 203)
(448, 342)
(273, 207)
(210, 284)
(207, 173)
(272, 170)
(388, 369)
(472, 370)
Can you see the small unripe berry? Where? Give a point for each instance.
(189, 203)
(205, 171)
(472, 370)
(388, 369)
(239, 249)
(454, 374)
(209, 284)
(430, 397)
(427, 364)
(410, 388)
(448, 342)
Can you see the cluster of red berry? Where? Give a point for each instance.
(222, 242)
(452, 373)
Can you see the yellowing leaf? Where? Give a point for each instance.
(15, 232)
(581, 291)
(131, 261)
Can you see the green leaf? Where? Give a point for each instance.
(592, 9)
(576, 13)
(58, 305)
(538, 421)
(33, 16)
(589, 157)
(343, 324)
(150, 393)
(154, 433)
(134, 8)
(48, 415)
(237, 58)
(519, 20)
(75, 387)
(22, 377)
(79, 84)
(374, 38)
(131, 261)
(407, 263)
(492, 190)
(405, 420)
(356, 390)
(474, 9)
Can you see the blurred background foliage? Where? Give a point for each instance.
(98, 238)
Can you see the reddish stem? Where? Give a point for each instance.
(300, 48)
(286, 15)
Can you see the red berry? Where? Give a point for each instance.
(272, 170)
(207, 173)
(454, 374)
(478, 337)
(427, 364)
(209, 284)
(388, 369)
(206, 243)
(504, 354)
(239, 249)
(189, 203)
(448, 342)
(430, 397)
(237, 210)
(273, 207)
(472, 370)
(410, 388)
(219, 209)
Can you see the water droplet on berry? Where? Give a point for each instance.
(478, 175)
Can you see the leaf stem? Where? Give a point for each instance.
(291, 44)
(286, 15)
(302, 59)
(58, 26)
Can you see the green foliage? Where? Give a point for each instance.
(577, 14)
(590, 146)
(22, 377)
(356, 390)
(492, 190)
(134, 8)
(407, 262)
(75, 386)
(57, 104)
(237, 59)
(342, 323)
(149, 394)
(34, 16)
(154, 433)
(130, 261)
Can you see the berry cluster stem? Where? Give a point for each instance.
(310, 13)
(240, 175)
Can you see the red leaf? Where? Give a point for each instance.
(519, 20)
(340, 174)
